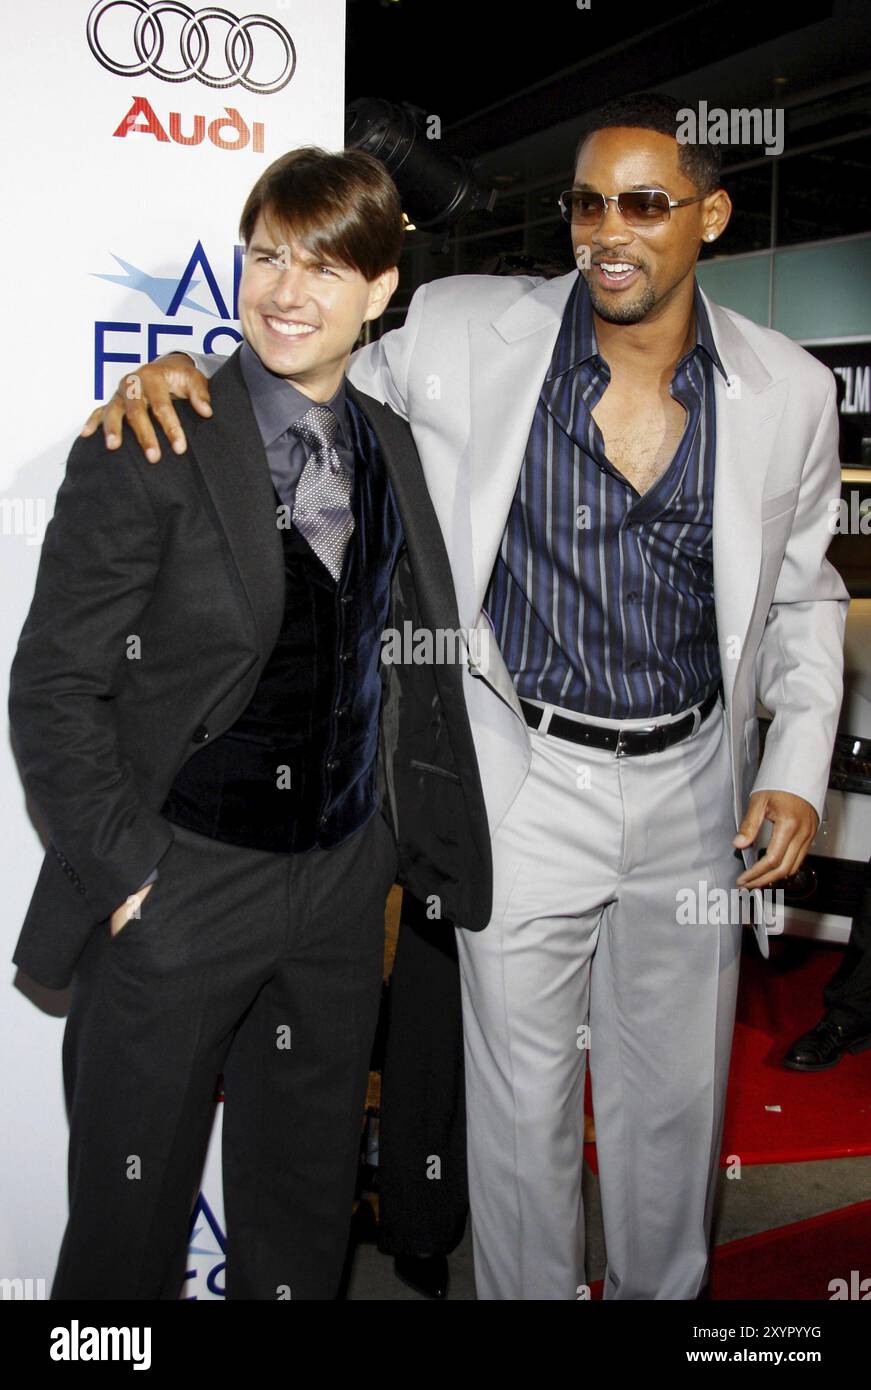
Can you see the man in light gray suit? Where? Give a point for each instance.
(632, 484)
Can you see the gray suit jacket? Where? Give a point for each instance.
(158, 600)
(466, 370)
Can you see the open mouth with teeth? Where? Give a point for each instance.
(289, 328)
(616, 274)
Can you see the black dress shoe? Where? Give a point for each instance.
(426, 1274)
(825, 1045)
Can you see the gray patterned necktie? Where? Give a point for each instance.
(321, 508)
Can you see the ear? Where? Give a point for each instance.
(716, 211)
(381, 291)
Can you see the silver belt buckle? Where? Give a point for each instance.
(620, 750)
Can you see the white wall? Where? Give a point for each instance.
(77, 195)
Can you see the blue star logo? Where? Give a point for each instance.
(161, 290)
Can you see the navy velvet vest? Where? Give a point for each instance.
(298, 767)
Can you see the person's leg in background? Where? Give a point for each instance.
(422, 1183)
(846, 1022)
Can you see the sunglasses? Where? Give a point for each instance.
(640, 207)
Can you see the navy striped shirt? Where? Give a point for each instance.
(601, 598)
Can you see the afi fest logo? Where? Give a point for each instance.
(194, 290)
(170, 41)
(204, 1276)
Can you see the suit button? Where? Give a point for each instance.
(332, 764)
(347, 598)
(346, 656)
(323, 820)
(340, 711)
(200, 734)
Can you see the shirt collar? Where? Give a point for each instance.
(704, 333)
(278, 404)
(576, 341)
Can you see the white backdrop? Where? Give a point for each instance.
(122, 190)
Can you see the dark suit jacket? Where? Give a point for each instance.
(159, 598)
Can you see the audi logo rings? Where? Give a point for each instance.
(199, 39)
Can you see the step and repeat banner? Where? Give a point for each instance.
(132, 134)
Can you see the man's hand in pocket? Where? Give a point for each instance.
(128, 909)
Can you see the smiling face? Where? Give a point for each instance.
(636, 272)
(301, 314)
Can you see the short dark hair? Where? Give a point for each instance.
(342, 207)
(651, 111)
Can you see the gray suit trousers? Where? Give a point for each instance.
(607, 873)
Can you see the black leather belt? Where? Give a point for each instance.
(625, 743)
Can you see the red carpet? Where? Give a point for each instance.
(779, 1116)
(799, 1261)
(823, 1114)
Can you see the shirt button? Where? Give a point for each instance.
(635, 665)
(633, 596)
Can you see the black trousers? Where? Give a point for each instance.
(263, 967)
(422, 1150)
(847, 996)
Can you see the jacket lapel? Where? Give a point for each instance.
(429, 562)
(229, 453)
(749, 412)
(509, 357)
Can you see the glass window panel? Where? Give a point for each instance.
(739, 283)
(824, 291)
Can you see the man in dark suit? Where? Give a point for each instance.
(230, 776)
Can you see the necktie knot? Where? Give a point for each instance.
(317, 428)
